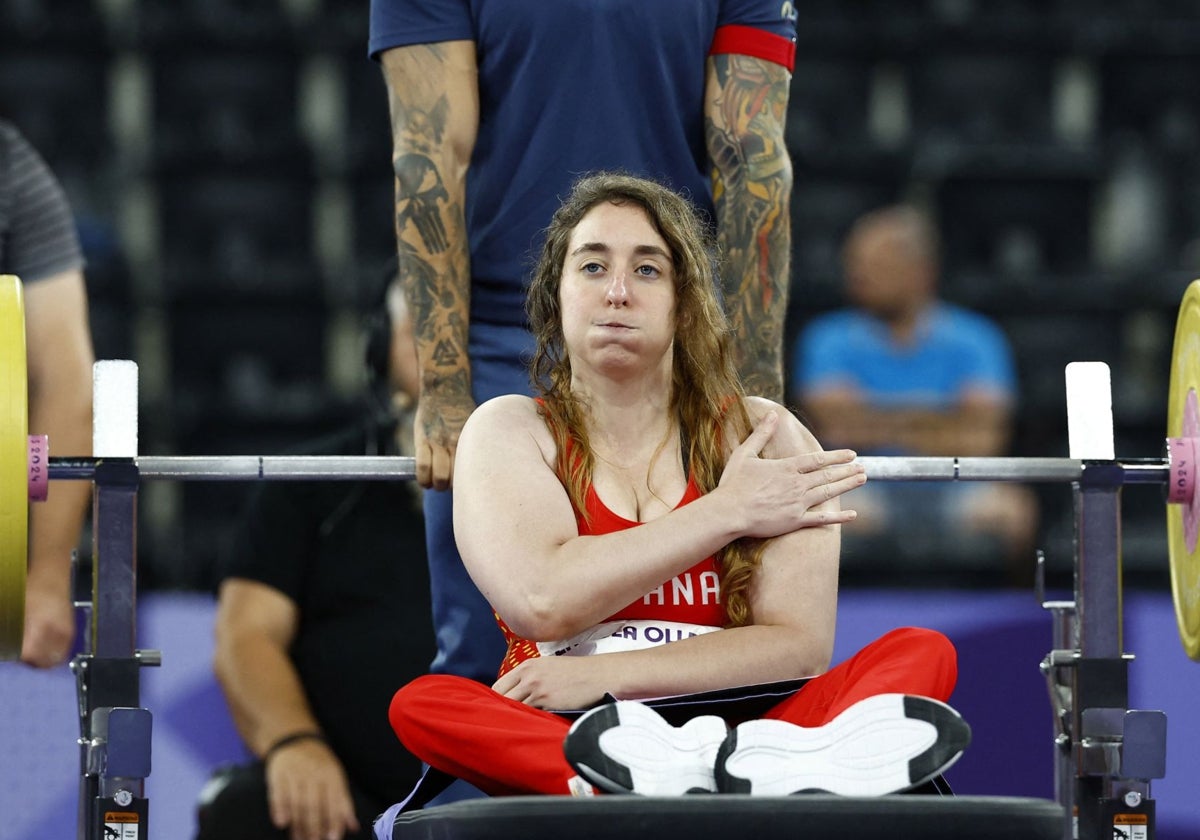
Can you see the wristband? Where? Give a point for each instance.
(288, 740)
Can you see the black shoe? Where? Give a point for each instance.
(884, 744)
(626, 747)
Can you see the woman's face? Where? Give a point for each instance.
(617, 292)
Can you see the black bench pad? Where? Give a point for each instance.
(733, 817)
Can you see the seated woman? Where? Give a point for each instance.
(645, 529)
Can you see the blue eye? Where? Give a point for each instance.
(592, 268)
(648, 270)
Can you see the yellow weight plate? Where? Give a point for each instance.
(1182, 518)
(14, 467)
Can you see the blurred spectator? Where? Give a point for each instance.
(323, 613)
(902, 372)
(40, 245)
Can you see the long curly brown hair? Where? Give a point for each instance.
(706, 394)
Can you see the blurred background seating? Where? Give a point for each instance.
(229, 161)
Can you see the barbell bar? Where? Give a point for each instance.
(400, 467)
(403, 467)
(26, 468)
(251, 467)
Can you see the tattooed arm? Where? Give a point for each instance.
(745, 106)
(434, 99)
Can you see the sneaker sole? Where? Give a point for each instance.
(884, 744)
(626, 747)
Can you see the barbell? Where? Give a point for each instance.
(26, 468)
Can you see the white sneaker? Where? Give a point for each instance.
(626, 747)
(884, 744)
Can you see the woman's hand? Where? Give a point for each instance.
(780, 495)
(555, 682)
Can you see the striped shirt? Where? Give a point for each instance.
(38, 238)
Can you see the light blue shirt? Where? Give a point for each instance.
(954, 351)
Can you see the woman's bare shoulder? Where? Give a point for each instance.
(506, 408)
(791, 437)
(507, 417)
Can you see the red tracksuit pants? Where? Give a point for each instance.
(505, 747)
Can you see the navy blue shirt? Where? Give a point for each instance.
(574, 86)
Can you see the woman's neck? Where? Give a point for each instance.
(627, 426)
(637, 470)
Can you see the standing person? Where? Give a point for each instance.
(645, 529)
(497, 106)
(322, 613)
(902, 372)
(40, 245)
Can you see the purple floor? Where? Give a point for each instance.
(1001, 638)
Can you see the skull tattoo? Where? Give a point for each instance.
(419, 189)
